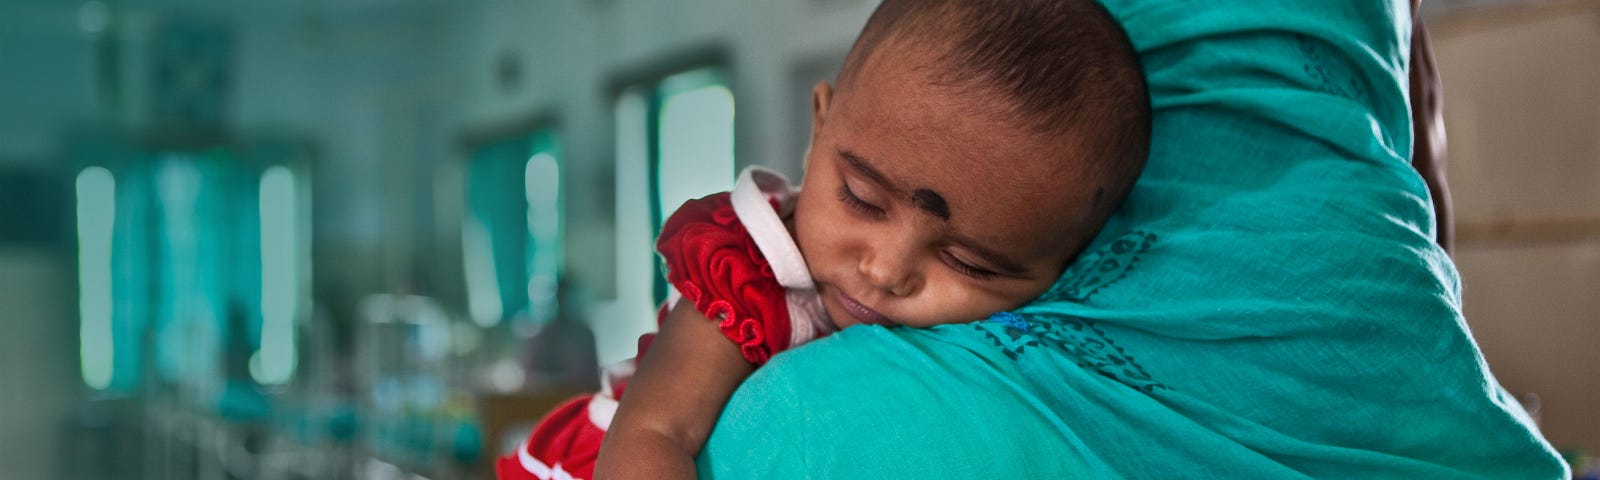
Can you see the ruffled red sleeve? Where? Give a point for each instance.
(714, 263)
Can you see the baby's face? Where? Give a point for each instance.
(923, 207)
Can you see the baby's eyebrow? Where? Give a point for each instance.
(925, 199)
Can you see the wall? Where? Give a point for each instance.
(46, 83)
(1522, 112)
(38, 361)
(369, 88)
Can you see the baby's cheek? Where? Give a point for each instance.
(960, 304)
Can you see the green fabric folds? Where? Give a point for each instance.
(1269, 303)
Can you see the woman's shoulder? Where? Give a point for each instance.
(875, 402)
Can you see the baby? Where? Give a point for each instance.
(970, 149)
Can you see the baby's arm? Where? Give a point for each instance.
(673, 400)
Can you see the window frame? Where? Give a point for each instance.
(655, 82)
(534, 134)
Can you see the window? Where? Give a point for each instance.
(112, 224)
(674, 143)
(97, 213)
(206, 250)
(191, 212)
(695, 140)
(511, 236)
(275, 358)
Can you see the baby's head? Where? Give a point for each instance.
(969, 151)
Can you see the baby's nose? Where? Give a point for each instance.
(890, 273)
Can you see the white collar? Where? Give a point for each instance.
(753, 197)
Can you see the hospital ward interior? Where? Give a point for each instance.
(379, 239)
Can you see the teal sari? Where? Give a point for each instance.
(1269, 303)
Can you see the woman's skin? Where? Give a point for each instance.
(1427, 124)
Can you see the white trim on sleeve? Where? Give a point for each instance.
(751, 198)
(538, 468)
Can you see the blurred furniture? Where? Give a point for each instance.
(508, 418)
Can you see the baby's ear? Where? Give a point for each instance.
(821, 97)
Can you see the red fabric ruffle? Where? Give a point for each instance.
(714, 263)
(566, 440)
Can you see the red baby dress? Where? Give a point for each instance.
(731, 256)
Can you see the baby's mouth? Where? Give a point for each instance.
(862, 313)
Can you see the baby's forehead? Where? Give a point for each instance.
(971, 159)
(1029, 205)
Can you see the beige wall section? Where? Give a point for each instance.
(39, 380)
(1533, 310)
(1522, 110)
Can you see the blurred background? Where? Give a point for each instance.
(307, 239)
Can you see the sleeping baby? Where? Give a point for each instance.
(968, 151)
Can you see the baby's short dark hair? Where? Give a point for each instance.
(1062, 65)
